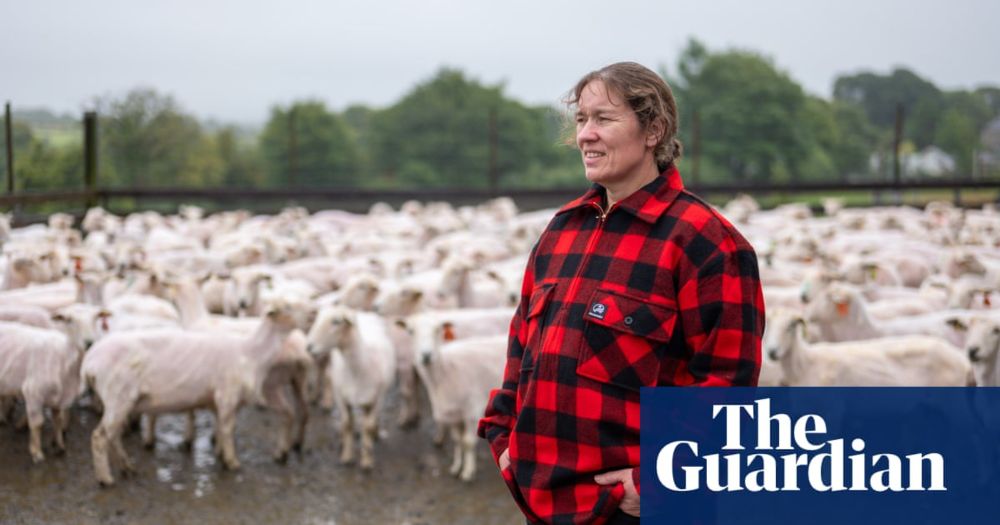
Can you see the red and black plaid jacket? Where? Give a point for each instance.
(660, 291)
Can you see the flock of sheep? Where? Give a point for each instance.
(149, 314)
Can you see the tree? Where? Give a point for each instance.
(439, 134)
(241, 166)
(750, 113)
(147, 140)
(879, 96)
(307, 145)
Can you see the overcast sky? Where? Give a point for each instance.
(232, 60)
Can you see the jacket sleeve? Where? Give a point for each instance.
(721, 309)
(501, 410)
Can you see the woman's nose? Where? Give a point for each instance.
(586, 132)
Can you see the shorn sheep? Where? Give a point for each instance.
(164, 371)
(915, 360)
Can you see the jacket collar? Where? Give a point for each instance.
(647, 203)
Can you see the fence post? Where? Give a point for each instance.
(8, 125)
(90, 157)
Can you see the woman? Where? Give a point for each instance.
(636, 283)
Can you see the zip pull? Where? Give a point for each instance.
(601, 214)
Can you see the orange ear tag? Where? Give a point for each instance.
(843, 309)
(986, 300)
(78, 264)
(449, 334)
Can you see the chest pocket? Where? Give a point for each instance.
(535, 320)
(625, 339)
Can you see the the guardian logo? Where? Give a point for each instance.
(799, 453)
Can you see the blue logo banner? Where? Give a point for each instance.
(774, 456)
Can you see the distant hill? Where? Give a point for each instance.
(45, 117)
(55, 129)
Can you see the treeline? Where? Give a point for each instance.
(753, 123)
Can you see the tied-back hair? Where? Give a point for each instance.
(647, 94)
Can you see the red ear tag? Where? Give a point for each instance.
(78, 264)
(843, 309)
(449, 334)
(986, 299)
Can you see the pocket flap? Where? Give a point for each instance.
(629, 314)
(539, 298)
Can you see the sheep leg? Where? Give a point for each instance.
(6, 407)
(36, 417)
(99, 451)
(346, 434)
(469, 441)
(369, 432)
(127, 466)
(439, 434)
(149, 432)
(301, 399)
(276, 398)
(107, 432)
(60, 421)
(408, 413)
(189, 432)
(455, 430)
(227, 406)
(326, 396)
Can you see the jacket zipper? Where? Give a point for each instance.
(574, 287)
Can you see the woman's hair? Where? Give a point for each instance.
(648, 95)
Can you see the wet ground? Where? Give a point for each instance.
(409, 485)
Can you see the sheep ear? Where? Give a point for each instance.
(957, 324)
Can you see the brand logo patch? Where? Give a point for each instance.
(597, 310)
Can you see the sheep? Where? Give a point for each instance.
(287, 383)
(359, 293)
(890, 361)
(42, 366)
(26, 268)
(981, 345)
(51, 296)
(841, 314)
(458, 377)
(419, 336)
(26, 314)
(155, 372)
(363, 363)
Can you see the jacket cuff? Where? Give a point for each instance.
(635, 479)
(498, 445)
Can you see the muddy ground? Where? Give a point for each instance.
(409, 485)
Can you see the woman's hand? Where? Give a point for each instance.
(504, 460)
(630, 503)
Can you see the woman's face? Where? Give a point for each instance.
(612, 143)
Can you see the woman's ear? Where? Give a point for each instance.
(654, 133)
